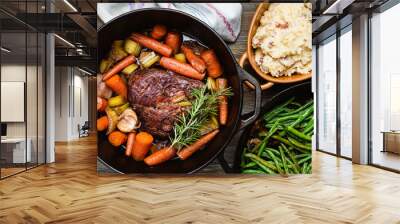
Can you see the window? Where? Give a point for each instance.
(327, 95)
(22, 76)
(346, 92)
(385, 89)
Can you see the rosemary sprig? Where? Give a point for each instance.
(187, 129)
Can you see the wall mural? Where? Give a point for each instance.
(172, 98)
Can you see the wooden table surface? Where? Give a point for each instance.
(238, 48)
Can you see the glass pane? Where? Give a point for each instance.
(13, 79)
(31, 100)
(327, 96)
(31, 88)
(346, 94)
(385, 84)
(41, 98)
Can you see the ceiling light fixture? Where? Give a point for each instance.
(84, 71)
(70, 5)
(64, 40)
(337, 7)
(5, 50)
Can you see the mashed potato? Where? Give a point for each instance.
(283, 40)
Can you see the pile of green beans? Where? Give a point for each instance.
(283, 142)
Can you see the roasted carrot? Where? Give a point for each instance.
(188, 151)
(141, 145)
(117, 138)
(117, 84)
(160, 156)
(223, 101)
(181, 68)
(174, 41)
(130, 59)
(102, 123)
(129, 143)
(214, 68)
(193, 59)
(101, 104)
(152, 44)
(158, 31)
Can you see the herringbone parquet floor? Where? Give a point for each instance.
(70, 191)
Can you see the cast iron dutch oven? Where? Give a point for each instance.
(302, 92)
(139, 20)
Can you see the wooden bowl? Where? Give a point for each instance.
(249, 55)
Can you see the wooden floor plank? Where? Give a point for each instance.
(70, 191)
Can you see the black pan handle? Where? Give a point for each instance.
(245, 119)
(245, 76)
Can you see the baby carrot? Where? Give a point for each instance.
(117, 138)
(117, 84)
(181, 68)
(129, 144)
(188, 151)
(174, 41)
(214, 68)
(130, 59)
(141, 145)
(223, 101)
(158, 31)
(194, 60)
(102, 123)
(152, 44)
(160, 156)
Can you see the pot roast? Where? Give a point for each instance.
(154, 95)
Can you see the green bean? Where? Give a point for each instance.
(263, 167)
(308, 112)
(277, 109)
(299, 145)
(276, 152)
(286, 118)
(262, 161)
(265, 140)
(291, 125)
(300, 109)
(309, 168)
(283, 160)
(298, 133)
(250, 164)
(292, 167)
(253, 172)
(304, 168)
(268, 157)
(305, 159)
(295, 137)
(292, 157)
(310, 125)
(278, 166)
(286, 142)
(261, 148)
(299, 156)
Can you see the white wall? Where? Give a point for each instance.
(12, 73)
(34, 125)
(71, 94)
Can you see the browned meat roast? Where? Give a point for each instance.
(153, 94)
